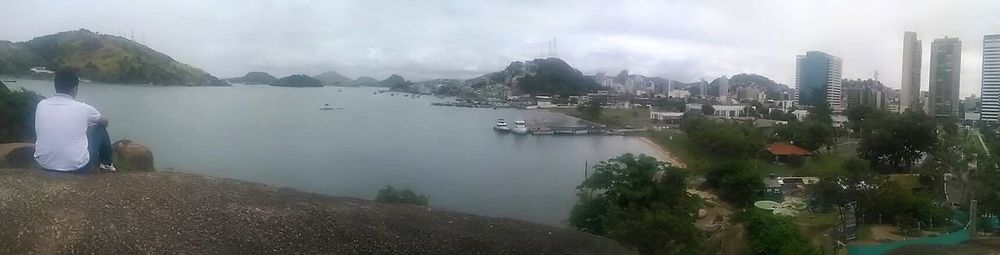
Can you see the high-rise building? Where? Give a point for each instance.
(723, 89)
(946, 65)
(910, 84)
(990, 101)
(865, 92)
(817, 80)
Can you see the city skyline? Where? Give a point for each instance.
(682, 40)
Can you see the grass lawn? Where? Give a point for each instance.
(614, 117)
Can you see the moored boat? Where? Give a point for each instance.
(520, 127)
(501, 126)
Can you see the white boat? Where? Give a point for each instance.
(519, 127)
(501, 126)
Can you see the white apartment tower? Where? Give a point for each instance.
(909, 97)
(990, 109)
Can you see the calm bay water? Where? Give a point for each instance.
(278, 136)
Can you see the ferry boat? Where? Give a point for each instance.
(519, 127)
(501, 126)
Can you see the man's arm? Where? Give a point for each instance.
(103, 122)
(95, 118)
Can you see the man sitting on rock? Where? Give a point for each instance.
(72, 135)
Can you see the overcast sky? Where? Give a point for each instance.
(682, 40)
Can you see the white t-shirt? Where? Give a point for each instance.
(61, 125)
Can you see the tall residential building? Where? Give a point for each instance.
(990, 102)
(723, 89)
(865, 92)
(946, 65)
(910, 84)
(817, 80)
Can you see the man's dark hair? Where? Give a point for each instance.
(66, 81)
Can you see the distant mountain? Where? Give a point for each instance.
(549, 76)
(297, 80)
(773, 89)
(333, 78)
(394, 81)
(101, 58)
(365, 81)
(254, 78)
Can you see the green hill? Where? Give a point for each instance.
(548, 76)
(254, 78)
(101, 58)
(297, 80)
(333, 78)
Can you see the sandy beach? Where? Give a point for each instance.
(663, 154)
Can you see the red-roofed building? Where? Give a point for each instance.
(787, 152)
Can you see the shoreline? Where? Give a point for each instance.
(662, 153)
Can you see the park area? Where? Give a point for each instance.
(906, 203)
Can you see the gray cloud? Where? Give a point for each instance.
(684, 40)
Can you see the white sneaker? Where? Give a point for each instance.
(109, 168)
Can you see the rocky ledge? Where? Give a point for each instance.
(137, 212)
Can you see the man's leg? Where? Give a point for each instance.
(100, 145)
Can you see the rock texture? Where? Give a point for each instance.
(175, 213)
(130, 156)
(17, 155)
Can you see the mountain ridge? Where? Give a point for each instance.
(101, 58)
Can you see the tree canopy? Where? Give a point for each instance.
(733, 139)
(17, 114)
(894, 142)
(640, 202)
(390, 194)
(591, 109)
(776, 235)
(736, 182)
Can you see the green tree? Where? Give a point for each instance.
(775, 235)
(820, 113)
(856, 114)
(737, 182)
(777, 114)
(810, 134)
(733, 139)
(17, 114)
(390, 194)
(591, 109)
(707, 109)
(894, 142)
(640, 202)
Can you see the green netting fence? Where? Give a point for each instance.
(879, 249)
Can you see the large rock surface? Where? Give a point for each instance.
(132, 156)
(175, 213)
(17, 155)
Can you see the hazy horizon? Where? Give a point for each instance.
(680, 40)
